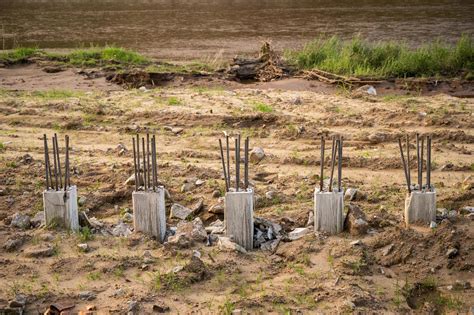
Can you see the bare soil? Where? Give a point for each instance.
(391, 270)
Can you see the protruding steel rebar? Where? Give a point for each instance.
(148, 160)
(46, 162)
(145, 187)
(138, 162)
(60, 174)
(135, 164)
(408, 164)
(404, 163)
(224, 166)
(228, 158)
(428, 163)
(55, 165)
(154, 163)
(333, 161)
(421, 162)
(237, 163)
(67, 182)
(321, 172)
(418, 160)
(246, 163)
(339, 165)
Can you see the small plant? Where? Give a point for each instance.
(94, 276)
(262, 107)
(2, 147)
(228, 307)
(119, 271)
(85, 234)
(174, 101)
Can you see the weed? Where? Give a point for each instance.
(262, 107)
(174, 101)
(94, 276)
(85, 234)
(2, 147)
(119, 271)
(18, 55)
(227, 307)
(385, 59)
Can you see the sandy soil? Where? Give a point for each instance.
(391, 270)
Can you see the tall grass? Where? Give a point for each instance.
(18, 55)
(359, 57)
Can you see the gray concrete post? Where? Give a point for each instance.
(60, 207)
(149, 213)
(238, 216)
(328, 211)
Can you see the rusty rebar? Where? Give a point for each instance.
(154, 163)
(135, 164)
(339, 166)
(408, 164)
(421, 162)
(418, 160)
(321, 172)
(333, 162)
(224, 166)
(144, 165)
(60, 174)
(428, 163)
(66, 164)
(403, 162)
(237, 163)
(55, 165)
(46, 161)
(138, 160)
(148, 160)
(246, 163)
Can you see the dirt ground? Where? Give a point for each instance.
(391, 269)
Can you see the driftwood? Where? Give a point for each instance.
(332, 78)
(266, 67)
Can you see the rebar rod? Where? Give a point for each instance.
(60, 174)
(55, 165)
(45, 140)
(408, 164)
(403, 162)
(321, 172)
(144, 165)
(224, 166)
(237, 163)
(135, 164)
(339, 166)
(418, 160)
(333, 158)
(228, 158)
(138, 161)
(148, 160)
(66, 164)
(154, 163)
(421, 162)
(246, 163)
(428, 163)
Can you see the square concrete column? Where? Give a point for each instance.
(149, 214)
(238, 216)
(60, 208)
(328, 211)
(420, 207)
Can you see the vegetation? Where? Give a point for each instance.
(262, 107)
(93, 56)
(359, 57)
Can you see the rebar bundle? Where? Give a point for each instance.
(226, 164)
(54, 175)
(420, 149)
(145, 164)
(336, 151)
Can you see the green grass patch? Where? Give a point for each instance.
(358, 57)
(55, 94)
(174, 101)
(262, 107)
(18, 55)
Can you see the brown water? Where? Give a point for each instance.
(204, 28)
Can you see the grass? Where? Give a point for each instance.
(94, 56)
(262, 107)
(85, 234)
(359, 57)
(174, 101)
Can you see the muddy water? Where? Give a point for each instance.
(204, 28)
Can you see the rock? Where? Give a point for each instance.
(132, 306)
(84, 247)
(197, 206)
(121, 229)
(467, 210)
(356, 243)
(350, 194)
(21, 221)
(38, 219)
(216, 193)
(216, 227)
(355, 221)
(180, 212)
(13, 244)
(187, 187)
(82, 201)
(127, 217)
(310, 221)
(199, 182)
(452, 214)
(160, 308)
(131, 180)
(53, 69)
(470, 216)
(378, 137)
(40, 251)
(256, 155)
(387, 249)
(270, 245)
(87, 295)
(218, 208)
(188, 232)
(46, 237)
(26, 159)
(433, 224)
(452, 252)
(298, 233)
(461, 285)
(270, 194)
(19, 302)
(237, 311)
(225, 243)
(364, 90)
(296, 101)
(447, 167)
